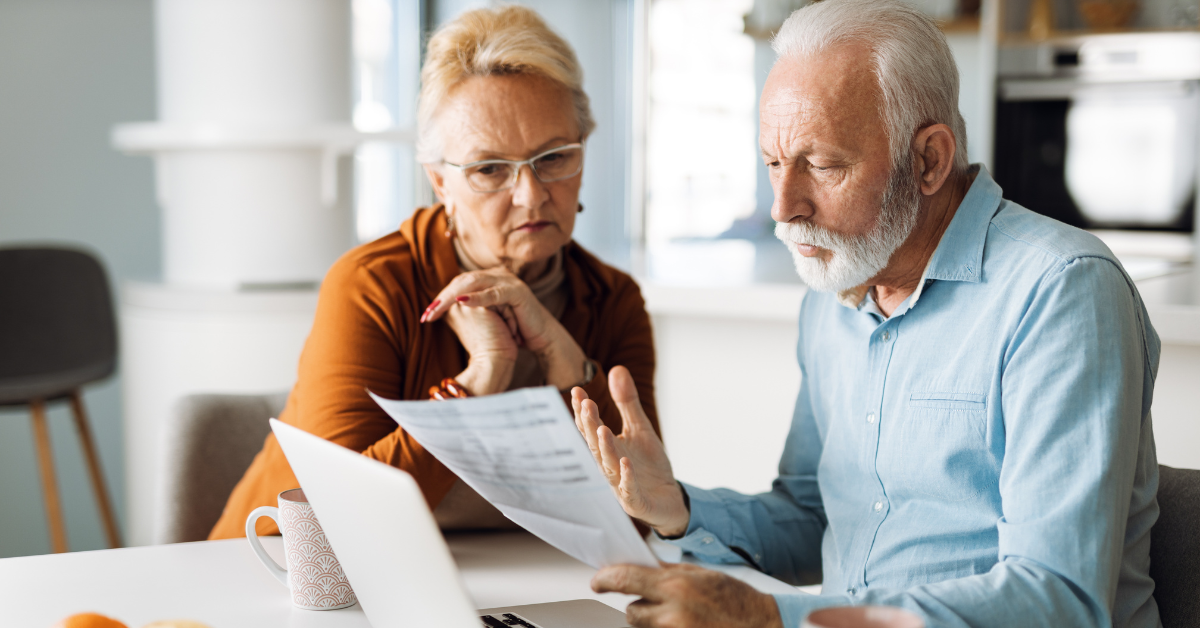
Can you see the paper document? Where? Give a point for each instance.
(521, 451)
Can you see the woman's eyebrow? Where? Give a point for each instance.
(484, 155)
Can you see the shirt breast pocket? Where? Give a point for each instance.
(944, 435)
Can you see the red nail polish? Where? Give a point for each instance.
(463, 298)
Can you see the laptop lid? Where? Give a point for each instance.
(384, 536)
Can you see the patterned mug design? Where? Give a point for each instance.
(314, 576)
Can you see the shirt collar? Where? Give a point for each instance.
(959, 254)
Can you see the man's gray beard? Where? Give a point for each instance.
(856, 259)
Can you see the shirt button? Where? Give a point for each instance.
(851, 590)
(709, 539)
(871, 418)
(886, 335)
(878, 506)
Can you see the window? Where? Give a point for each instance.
(387, 179)
(701, 140)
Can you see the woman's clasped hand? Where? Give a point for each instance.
(494, 313)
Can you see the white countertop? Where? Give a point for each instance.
(222, 583)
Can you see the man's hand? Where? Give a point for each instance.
(687, 595)
(635, 463)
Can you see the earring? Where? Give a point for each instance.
(450, 232)
(580, 210)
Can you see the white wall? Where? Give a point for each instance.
(69, 70)
(725, 390)
(727, 379)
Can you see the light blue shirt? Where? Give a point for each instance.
(983, 457)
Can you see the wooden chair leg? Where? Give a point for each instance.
(54, 517)
(97, 475)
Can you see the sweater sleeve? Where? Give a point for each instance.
(629, 342)
(357, 343)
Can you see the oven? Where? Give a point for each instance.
(1102, 131)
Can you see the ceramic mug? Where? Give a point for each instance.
(862, 617)
(313, 574)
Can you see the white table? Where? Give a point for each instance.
(222, 583)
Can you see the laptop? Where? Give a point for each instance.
(392, 552)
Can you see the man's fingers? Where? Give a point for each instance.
(643, 613)
(624, 394)
(629, 579)
(576, 407)
(577, 396)
(620, 384)
(589, 417)
(632, 499)
(628, 483)
(610, 460)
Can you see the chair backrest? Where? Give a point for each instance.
(1175, 548)
(210, 442)
(57, 330)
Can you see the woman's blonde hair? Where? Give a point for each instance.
(493, 41)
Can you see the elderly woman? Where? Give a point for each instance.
(483, 292)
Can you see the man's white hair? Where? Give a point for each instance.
(912, 62)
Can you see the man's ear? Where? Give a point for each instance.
(935, 148)
(436, 181)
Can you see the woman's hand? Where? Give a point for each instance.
(502, 292)
(635, 463)
(491, 344)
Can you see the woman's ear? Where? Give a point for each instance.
(436, 180)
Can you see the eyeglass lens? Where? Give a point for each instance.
(491, 176)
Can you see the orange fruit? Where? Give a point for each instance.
(89, 620)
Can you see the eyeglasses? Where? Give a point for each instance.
(493, 175)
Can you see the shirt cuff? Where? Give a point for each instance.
(698, 540)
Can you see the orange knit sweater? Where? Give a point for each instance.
(366, 335)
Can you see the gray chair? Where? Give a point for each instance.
(56, 334)
(1175, 548)
(210, 442)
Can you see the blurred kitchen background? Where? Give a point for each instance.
(218, 155)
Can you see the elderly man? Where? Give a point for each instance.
(972, 437)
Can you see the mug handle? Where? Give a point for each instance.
(256, 545)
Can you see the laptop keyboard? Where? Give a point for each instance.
(505, 620)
